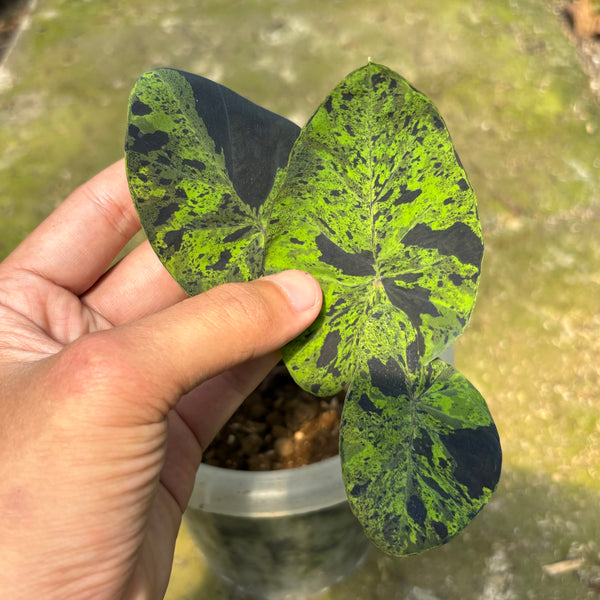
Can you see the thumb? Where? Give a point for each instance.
(174, 350)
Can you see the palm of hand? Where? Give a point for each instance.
(69, 390)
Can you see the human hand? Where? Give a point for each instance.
(97, 452)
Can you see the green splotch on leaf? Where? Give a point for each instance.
(201, 162)
(376, 205)
(420, 454)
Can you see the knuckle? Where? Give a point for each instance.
(119, 215)
(95, 380)
(93, 363)
(243, 306)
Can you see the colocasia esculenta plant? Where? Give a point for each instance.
(370, 197)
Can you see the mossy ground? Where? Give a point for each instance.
(526, 125)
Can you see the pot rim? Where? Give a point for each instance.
(269, 493)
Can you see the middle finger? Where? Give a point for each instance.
(137, 286)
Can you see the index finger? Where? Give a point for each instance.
(75, 245)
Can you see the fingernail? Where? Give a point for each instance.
(300, 288)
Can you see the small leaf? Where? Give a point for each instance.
(376, 205)
(420, 454)
(201, 162)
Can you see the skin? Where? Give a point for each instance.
(112, 382)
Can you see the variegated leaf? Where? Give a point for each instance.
(420, 454)
(201, 162)
(376, 205)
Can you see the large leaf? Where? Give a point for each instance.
(420, 454)
(201, 161)
(377, 206)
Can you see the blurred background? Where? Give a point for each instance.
(517, 87)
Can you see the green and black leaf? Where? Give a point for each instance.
(201, 161)
(423, 457)
(370, 198)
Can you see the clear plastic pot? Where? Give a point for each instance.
(276, 534)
